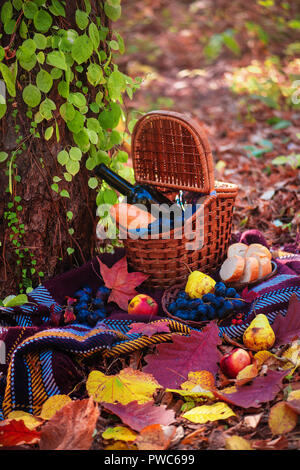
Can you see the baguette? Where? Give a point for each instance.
(232, 268)
(251, 270)
(265, 265)
(237, 249)
(259, 250)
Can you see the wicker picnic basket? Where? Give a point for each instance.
(170, 151)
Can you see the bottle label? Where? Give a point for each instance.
(135, 221)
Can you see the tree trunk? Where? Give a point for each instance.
(42, 250)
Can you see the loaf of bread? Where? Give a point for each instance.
(251, 270)
(232, 268)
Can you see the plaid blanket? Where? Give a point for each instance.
(43, 360)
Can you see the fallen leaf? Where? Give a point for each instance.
(139, 416)
(271, 444)
(261, 390)
(30, 421)
(119, 433)
(121, 445)
(292, 354)
(251, 421)
(14, 433)
(237, 443)
(53, 404)
(121, 282)
(155, 437)
(287, 328)
(202, 378)
(293, 400)
(174, 361)
(204, 413)
(149, 329)
(282, 419)
(72, 427)
(247, 374)
(127, 386)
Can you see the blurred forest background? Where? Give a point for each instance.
(235, 67)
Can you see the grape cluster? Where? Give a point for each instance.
(215, 305)
(88, 309)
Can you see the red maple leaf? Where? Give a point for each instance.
(14, 433)
(149, 329)
(139, 416)
(173, 361)
(248, 296)
(121, 282)
(287, 328)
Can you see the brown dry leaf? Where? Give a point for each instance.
(155, 437)
(120, 445)
(246, 374)
(237, 443)
(194, 436)
(271, 444)
(72, 427)
(282, 419)
(252, 421)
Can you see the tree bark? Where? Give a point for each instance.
(43, 212)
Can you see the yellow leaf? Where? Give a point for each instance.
(261, 357)
(237, 443)
(129, 385)
(231, 389)
(247, 374)
(202, 378)
(203, 414)
(31, 422)
(196, 394)
(119, 433)
(294, 395)
(282, 419)
(54, 404)
(293, 354)
(119, 445)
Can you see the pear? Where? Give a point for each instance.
(199, 284)
(259, 334)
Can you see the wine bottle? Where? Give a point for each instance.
(136, 194)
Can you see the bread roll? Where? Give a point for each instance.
(259, 249)
(265, 265)
(232, 268)
(237, 249)
(251, 270)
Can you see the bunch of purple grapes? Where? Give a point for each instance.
(215, 305)
(88, 309)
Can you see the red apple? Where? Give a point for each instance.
(142, 304)
(232, 363)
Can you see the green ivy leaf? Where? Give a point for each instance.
(29, 9)
(63, 89)
(42, 21)
(82, 140)
(77, 123)
(93, 183)
(68, 177)
(3, 156)
(44, 81)
(70, 250)
(31, 95)
(9, 26)
(57, 59)
(82, 49)
(6, 12)
(40, 41)
(9, 79)
(75, 154)
(77, 99)
(55, 188)
(67, 111)
(113, 12)
(15, 300)
(46, 108)
(82, 19)
(116, 84)
(63, 157)
(64, 193)
(69, 214)
(109, 118)
(72, 167)
(57, 8)
(49, 133)
(110, 196)
(94, 35)
(95, 74)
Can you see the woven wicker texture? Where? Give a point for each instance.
(171, 152)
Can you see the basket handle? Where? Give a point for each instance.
(200, 138)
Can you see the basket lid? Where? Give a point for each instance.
(170, 150)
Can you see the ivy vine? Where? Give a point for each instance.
(79, 64)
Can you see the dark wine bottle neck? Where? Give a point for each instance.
(114, 180)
